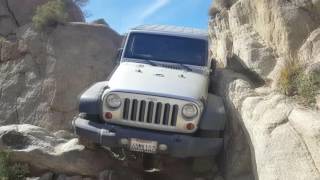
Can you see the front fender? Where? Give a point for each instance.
(214, 115)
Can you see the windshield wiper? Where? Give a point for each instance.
(145, 58)
(150, 62)
(187, 68)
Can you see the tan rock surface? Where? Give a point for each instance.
(44, 152)
(42, 86)
(263, 35)
(283, 139)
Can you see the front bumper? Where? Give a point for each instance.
(179, 145)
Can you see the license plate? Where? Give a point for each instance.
(143, 145)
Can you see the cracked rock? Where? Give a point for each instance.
(44, 152)
(40, 81)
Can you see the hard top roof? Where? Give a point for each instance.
(173, 30)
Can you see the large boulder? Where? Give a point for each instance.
(41, 86)
(309, 52)
(16, 13)
(43, 152)
(278, 138)
(283, 138)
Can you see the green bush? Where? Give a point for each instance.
(50, 14)
(294, 81)
(4, 164)
(11, 171)
(306, 88)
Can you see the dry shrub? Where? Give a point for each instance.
(50, 14)
(294, 81)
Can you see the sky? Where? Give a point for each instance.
(122, 15)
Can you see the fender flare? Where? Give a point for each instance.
(90, 99)
(214, 116)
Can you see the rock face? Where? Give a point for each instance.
(270, 136)
(45, 152)
(262, 33)
(309, 52)
(16, 13)
(42, 75)
(283, 139)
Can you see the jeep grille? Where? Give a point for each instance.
(150, 112)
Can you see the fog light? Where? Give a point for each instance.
(163, 147)
(190, 126)
(124, 141)
(108, 115)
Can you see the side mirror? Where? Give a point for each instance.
(118, 56)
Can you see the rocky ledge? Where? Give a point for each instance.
(59, 152)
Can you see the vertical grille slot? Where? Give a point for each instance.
(150, 112)
(142, 111)
(126, 109)
(174, 115)
(134, 109)
(166, 114)
(158, 113)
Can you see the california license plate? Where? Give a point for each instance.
(143, 145)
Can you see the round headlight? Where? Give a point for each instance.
(113, 101)
(189, 111)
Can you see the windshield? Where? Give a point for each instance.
(166, 48)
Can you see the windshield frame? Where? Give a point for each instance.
(206, 59)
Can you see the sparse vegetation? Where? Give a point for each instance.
(288, 74)
(81, 3)
(213, 11)
(295, 82)
(50, 14)
(11, 171)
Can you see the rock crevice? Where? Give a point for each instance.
(11, 13)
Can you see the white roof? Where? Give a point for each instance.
(173, 30)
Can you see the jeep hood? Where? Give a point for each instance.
(159, 81)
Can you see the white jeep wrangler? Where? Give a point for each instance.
(156, 101)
